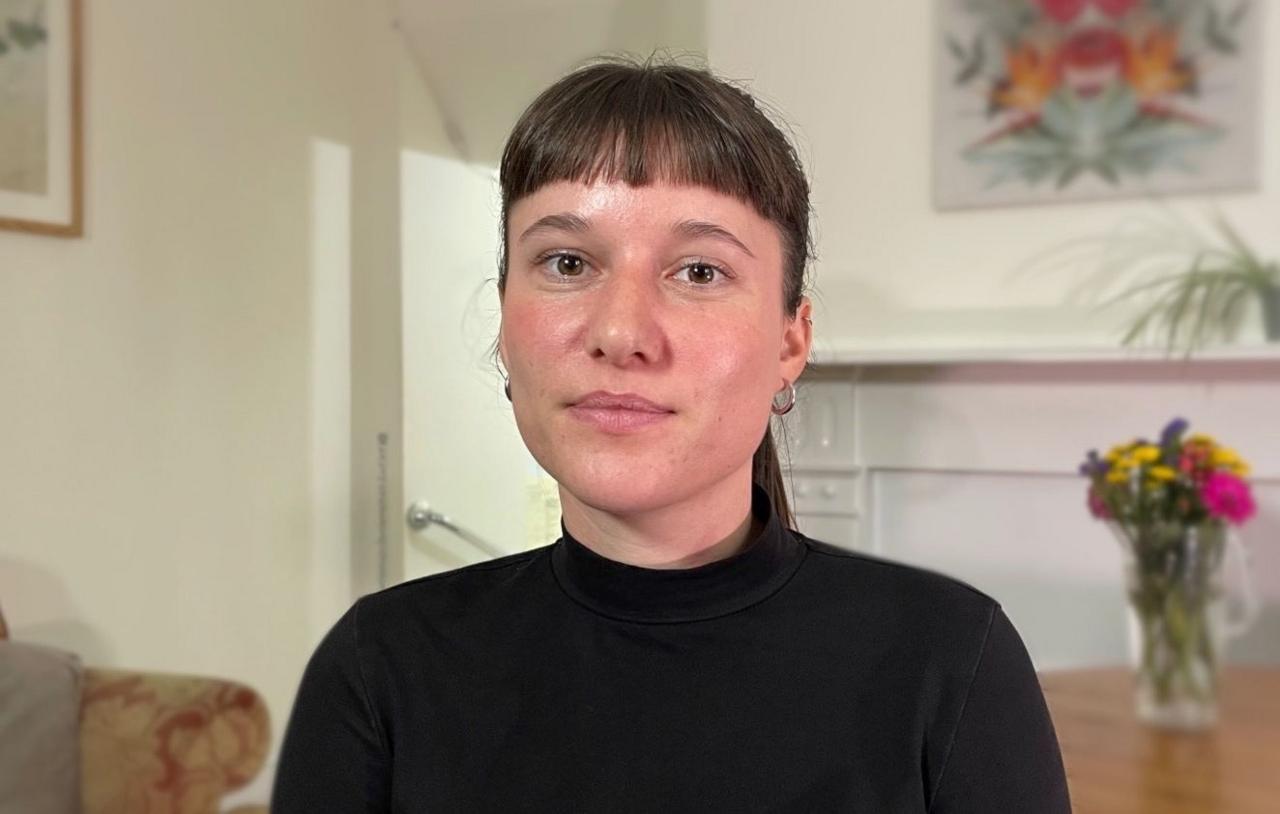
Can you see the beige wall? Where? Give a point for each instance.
(164, 421)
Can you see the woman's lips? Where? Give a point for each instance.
(616, 419)
(618, 412)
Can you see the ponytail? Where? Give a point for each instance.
(766, 471)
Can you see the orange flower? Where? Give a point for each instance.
(1031, 77)
(1153, 68)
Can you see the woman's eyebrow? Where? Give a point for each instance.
(702, 228)
(561, 222)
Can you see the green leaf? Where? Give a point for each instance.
(1059, 115)
(1117, 109)
(1237, 14)
(1230, 312)
(1103, 168)
(1212, 286)
(1038, 171)
(1233, 237)
(27, 35)
(1129, 292)
(1215, 35)
(1072, 169)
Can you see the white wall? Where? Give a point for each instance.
(854, 80)
(171, 423)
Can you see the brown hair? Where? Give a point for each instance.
(618, 119)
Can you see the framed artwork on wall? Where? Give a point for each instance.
(1040, 101)
(41, 175)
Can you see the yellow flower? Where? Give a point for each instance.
(1123, 464)
(1147, 454)
(1163, 473)
(1240, 470)
(1201, 438)
(1224, 456)
(1117, 476)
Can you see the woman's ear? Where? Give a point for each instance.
(797, 340)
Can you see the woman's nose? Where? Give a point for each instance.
(623, 324)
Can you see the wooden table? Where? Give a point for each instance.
(1116, 765)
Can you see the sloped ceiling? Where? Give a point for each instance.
(484, 61)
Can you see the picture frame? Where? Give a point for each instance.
(41, 119)
(1050, 101)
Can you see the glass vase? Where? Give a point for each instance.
(1174, 578)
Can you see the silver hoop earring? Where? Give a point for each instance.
(506, 387)
(791, 401)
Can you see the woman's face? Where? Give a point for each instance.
(670, 293)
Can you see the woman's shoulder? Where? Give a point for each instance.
(457, 588)
(847, 563)
(869, 583)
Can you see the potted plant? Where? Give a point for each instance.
(1205, 296)
(1171, 504)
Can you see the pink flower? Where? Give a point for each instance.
(1225, 495)
(1064, 11)
(1097, 506)
(1092, 58)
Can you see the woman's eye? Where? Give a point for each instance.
(568, 264)
(565, 265)
(702, 273)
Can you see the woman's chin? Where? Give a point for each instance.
(618, 494)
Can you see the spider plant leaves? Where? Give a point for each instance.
(1193, 308)
(1247, 261)
(1200, 289)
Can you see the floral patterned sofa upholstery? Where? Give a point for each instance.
(156, 743)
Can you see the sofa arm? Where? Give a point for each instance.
(153, 743)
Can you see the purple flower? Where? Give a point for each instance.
(1170, 445)
(1227, 496)
(1094, 465)
(1172, 430)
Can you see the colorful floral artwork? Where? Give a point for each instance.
(1043, 100)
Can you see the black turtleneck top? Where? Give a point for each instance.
(793, 676)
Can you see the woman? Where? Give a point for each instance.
(681, 647)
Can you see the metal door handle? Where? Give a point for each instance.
(420, 516)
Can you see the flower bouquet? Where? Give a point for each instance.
(1172, 504)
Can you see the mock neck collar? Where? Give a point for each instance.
(638, 594)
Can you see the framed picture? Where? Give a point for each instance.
(1039, 101)
(41, 177)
